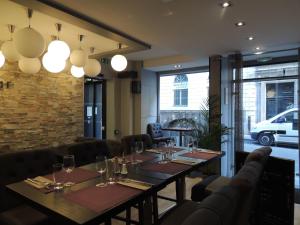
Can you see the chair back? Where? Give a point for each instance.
(128, 141)
(154, 130)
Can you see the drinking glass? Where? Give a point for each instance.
(139, 147)
(195, 145)
(68, 165)
(117, 169)
(101, 167)
(163, 153)
(190, 144)
(110, 172)
(58, 176)
(133, 151)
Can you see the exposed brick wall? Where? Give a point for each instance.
(40, 110)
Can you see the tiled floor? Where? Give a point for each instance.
(170, 192)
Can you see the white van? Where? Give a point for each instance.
(282, 128)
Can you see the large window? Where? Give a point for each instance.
(182, 95)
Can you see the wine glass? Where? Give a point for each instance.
(139, 149)
(101, 167)
(190, 144)
(68, 165)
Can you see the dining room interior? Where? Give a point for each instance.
(149, 112)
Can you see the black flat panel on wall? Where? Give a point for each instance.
(276, 191)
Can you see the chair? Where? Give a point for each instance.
(156, 133)
(127, 141)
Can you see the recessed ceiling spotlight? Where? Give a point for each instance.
(257, 48)
(258, 53)
(250, 38)
(240, 24)
(225, 4)
(177, 66)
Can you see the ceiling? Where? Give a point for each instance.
(184, 32)
(196, 29)
(12, 13)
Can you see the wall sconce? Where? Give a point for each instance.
(6, 85)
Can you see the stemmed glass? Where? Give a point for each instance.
(195, 145)
(190, 144)
(101, 167)
(68, 165)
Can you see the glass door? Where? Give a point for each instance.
(94, 110)
(269, 100)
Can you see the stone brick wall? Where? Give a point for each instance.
(40, 110)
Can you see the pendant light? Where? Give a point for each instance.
(2, 59)
(28, 42)
(51, 62)
(29, 65)
(78, 57)
(119, 62)
(59, 48)
(77, 71)
(8, 48)
(92, 67)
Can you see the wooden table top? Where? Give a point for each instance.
(55, 204)
(178, 128)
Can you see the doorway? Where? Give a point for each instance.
(94, 108)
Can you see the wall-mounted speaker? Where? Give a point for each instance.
(136, 87)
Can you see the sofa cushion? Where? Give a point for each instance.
(22, 215)
(180, 213)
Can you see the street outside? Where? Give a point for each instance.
(287, 152)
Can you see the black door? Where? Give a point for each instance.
(94, 108)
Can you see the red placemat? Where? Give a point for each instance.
(78, 175)
(140, 157)
(199, 155)
(99, 199)
(167, 149)
(169, 168)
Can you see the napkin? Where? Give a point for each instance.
(153, 151)
(135, 184)
(207, 151)
(183, 161)
(38, 182)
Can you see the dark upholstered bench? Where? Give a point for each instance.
(214, 182)
(17, 166)
(128, 141)
(231, 204)
(156, 133)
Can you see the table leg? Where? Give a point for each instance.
(145, 212)
(180, 190)
(155, 208)
(108, 221)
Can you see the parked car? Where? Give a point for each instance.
(282, 128)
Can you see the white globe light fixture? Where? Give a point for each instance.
(77, 71)
(2, 59)
(53, 64)
(59, 48)
(92, 67)
(78, 57)
(119, 63)
(9, 51)
(29, 43)
(8, 48)
(29, 65)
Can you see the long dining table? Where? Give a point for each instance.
(85, 203)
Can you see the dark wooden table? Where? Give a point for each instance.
(180, 130)
(66, 212)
